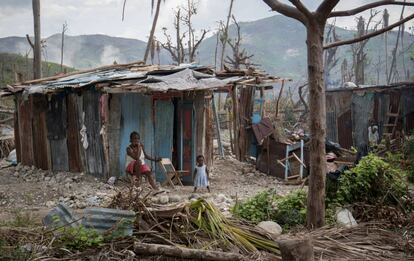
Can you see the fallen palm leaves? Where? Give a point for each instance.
(364, 242)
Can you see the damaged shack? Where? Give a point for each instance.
(81, 122)
(351, 111)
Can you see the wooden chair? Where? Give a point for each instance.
(172, 176)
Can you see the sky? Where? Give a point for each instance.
(104, 16)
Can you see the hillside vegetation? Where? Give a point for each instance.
(16, 63)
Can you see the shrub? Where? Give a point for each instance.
(287, 211)
(408, 150)
(256, 209)
(371, 181)
(79, 238)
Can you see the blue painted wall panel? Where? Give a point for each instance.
(136, 115)
(163, 130)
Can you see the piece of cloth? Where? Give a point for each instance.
(84, 137)
(143, 168)
(200, 179)
(373, 135)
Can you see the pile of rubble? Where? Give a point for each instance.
(41, 188)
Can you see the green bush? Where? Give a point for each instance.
(373, 180)
(287, 211)
(408, 150)
(256, 209)
(79, 238)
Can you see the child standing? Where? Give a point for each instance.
(201, 174)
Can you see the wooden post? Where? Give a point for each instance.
(236, 116)
(296, 250)
(216, 119)
(37, 59)
(278, 99)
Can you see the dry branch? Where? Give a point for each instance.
(370, 35)
(181, 252)
(368, 6)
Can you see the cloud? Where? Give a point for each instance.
(104, 16)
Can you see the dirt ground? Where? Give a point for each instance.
(31, 192)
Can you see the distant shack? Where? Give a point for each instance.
(349, 112)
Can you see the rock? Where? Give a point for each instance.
(344, 218)
(111, 180)
(273, 228)
(220, 198)
(164, 199)
(47, 179)
(50, 204)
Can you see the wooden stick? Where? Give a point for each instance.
(298, 159)
(185, 253)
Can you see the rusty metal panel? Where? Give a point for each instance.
(73, 139)
(407, 107)
(331, 128)
(362, 112)
(40, 141)
(345, 130)
(114, 128)
(56, 122)
(25, 131)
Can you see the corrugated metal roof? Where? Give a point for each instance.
(139, 78)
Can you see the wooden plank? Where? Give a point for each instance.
(17, 129)
(95, 159)
(114, 127)
(236, 115)
(217, 124)
(73, 136)
(199, 105)
(40, 141)
(25, 131)
(208, 115)
(56, 122)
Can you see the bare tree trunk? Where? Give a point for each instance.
(226, 35)
(316, 195)
(37, 58)
(64, 28)
(154, 25)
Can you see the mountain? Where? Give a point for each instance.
(277, 42)
(81, 52)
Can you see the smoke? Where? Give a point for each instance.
(110, 54)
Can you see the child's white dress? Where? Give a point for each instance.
(200, 179)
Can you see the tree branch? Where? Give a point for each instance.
(30, 41)
(368, 6)
(287, 10)
(301, 7)
(326, 7)
(370, 35)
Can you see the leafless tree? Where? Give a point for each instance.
(187, 42)
(393, 73)
(330, 58)
(64, 29)
(225, 35)
(240, 56)
(315, 22)
(359, 56)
